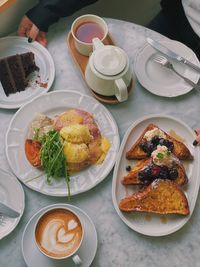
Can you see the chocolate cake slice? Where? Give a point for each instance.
(14, 72)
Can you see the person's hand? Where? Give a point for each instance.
(30, 30)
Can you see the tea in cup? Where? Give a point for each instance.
(59, 234)
(108, 71)
(84, 29)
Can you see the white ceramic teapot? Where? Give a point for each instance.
(108, 71)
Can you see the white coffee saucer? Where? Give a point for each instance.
(33, 257)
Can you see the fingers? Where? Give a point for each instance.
(197, 141)
(24, 27)
(41, 38)
(34, 31)
(28, 29)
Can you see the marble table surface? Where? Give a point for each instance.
(118, 245)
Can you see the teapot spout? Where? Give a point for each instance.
(97, 43)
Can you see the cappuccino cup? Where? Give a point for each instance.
(84, 29)
(59, 234)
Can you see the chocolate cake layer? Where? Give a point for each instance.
(14, 71)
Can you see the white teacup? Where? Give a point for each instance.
(84, 29)
(59, 234)
(108, 71)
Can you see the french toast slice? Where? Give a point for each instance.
(179, 149)
(161, 197)
(146, 166)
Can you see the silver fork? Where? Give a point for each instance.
(2, 219)
(166, 63)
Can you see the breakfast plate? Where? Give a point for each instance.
(51, 104)
(149, 223)
(33, 257)
(11, 193)
(162, 81)
(40, 82)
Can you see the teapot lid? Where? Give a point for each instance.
(109, 60)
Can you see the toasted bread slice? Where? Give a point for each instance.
(179, 150)
(162, 197)
(132, 178)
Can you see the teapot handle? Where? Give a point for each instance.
(121, 91)
(97, 43)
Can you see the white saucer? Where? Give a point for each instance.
(12, 45)
(11, 193)
(33, 257)
(161, 81)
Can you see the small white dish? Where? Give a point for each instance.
(13, 45)
(11, 193)
(162, 81)
(33, 257)
(149, 223)
(51, 104)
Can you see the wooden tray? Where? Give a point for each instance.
(81, 62)
(6, 4)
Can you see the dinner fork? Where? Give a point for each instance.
(2, 219)
(166, 63)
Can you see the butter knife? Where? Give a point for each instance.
(8, 211)
(171, 54)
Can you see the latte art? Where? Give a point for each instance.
(58, 233)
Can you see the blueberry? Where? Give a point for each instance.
(162, 142)
(173, 174)
(142, 175)
(164, 173)
(143, 146)
(145, 174)
(155, 140)
(147, 147)
(170, 146)
(128, 168)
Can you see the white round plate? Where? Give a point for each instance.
(148, 223)
(33, 257)
(11, 193)
(51, 104)
(13, 45)
(160, 80)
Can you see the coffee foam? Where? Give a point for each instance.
(58, 233)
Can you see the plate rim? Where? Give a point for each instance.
(114, 181)
(14, 178)
(70, 206)
(47, 95)
(35, 44)
(163, 41)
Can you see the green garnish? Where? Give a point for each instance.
(53, 159)
(160, 155)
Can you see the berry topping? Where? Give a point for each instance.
(149, 146)
(152, 172)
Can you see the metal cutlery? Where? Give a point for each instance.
(8, 211)
(165, 63)
(2, 220)
(171, 54)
